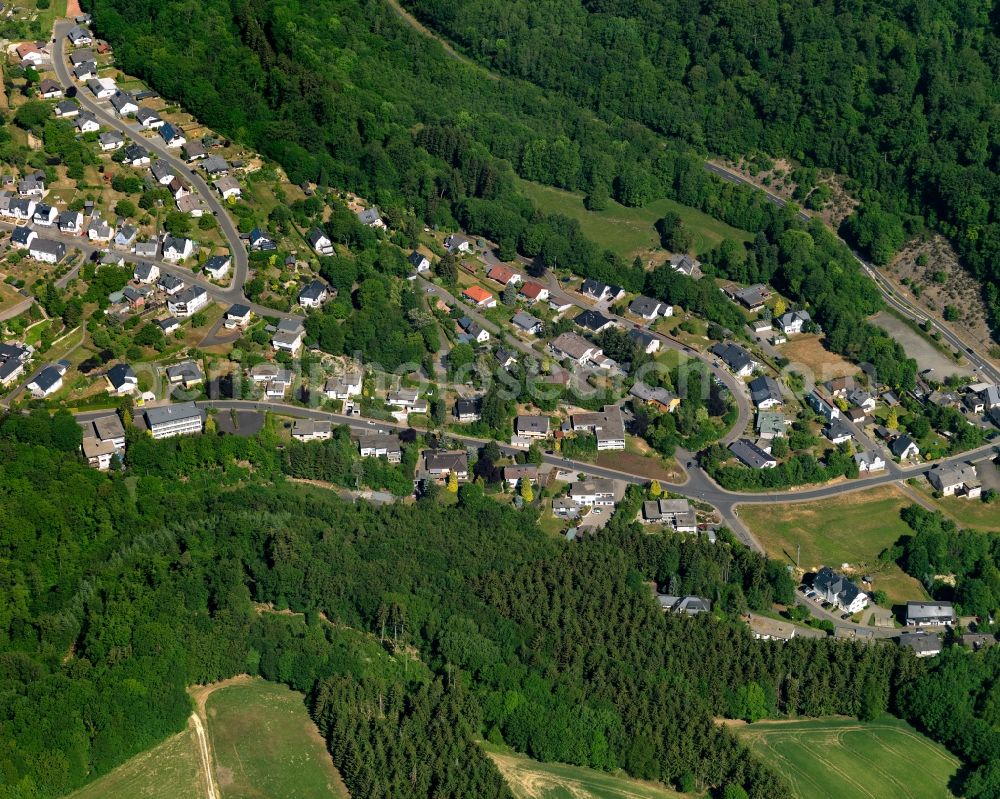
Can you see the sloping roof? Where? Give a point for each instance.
(477, 294)
(764, 388)
(532, 290)
(644, 306)
(592, 320)
(734, 356)
(525, 321)
(750, 454)
(170, 413)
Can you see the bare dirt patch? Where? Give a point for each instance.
(652, 467)
(922, 351)
(936, 279)
(806, 349)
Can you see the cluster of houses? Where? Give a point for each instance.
(14, 358)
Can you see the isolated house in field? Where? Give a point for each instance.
(792, 322)
(371, 217)
(839, 590)
(420, 263)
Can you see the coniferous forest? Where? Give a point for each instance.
(122, 589)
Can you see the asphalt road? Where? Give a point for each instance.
(987, 370)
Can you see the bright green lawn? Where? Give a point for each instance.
(852, 528)
(630, 231)
(529, 779)
(886, 759)
(265, 745)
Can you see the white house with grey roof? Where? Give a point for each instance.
(792, 322)
(956, 480)
(931, 613)
(167, 421)
(749, 454)
(839, 590)
(47, 251)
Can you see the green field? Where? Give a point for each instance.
(846, 758)
(265, 745)
(853, 528)
(171, 770)
(629, 231)
(529, 779)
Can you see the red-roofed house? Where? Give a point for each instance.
(480, 297)
(503, 275)
(29, 53)
(534, 292)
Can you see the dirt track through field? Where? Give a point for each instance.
(211, 791)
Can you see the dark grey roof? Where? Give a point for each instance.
(764, 388)
(120, 374)
(238, 310)
(644, 306)
(592, 320)
(749, 453)
(313, 291)
(170, 413)
(21, 234)
(49, 247)
(47, 378)
(466, 407)
(900, 445)
(734, 356)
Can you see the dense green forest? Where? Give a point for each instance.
(900, 95)
(135, 584)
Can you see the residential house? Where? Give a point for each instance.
(825, 409)
(468, 410)
(21, 208)
(67, 109)
(168, 325)
(86, 122)
(32, 185)
(527, 323)
(606, 425)
(686, 265)
(181, 418)
(122, 379)
(163, 171)
(765, 392)
(312, 430)
(102, 88)
(600, 292)
(420, 262)
(187, 374)
(988, 394)
(136, 155)
(237, 316)
(320, 242)
(371, 217)
(503, 275)
(675, 513)
(956, 480)
(229, 188)
(904, 448)
(86, 71)
(81, 56)
(559, 306)
(97, 453)
(380, 445)
(146, 272)
(123, 103)
(594, 321)
(770, 425)
(658, 398)
(145, 249)
(531, 426)
(479, 297)
(597, 492)
(749, 454)
(13, 358)
(47, 251)
(565, 508)
(534, 292)
(98, 230)
(112, 259)
(345, 385)
(973, 402)
(31, 54)
(45, 215)
(124, 236)
(218, 266)
(215, 166)
(111, 140)
(288, 336)
(473, 331)
(505, 358)
(194, 151)
(313, 295)
(178, 188)
(739, 361)
(839, 590)
(860, 398)
(177, 248)
(47, 382)
(516, 474)
(188, 302)
(648, 308)
(929, 614)
(792, 322)
(684, 605)
(576, 348)
(171, 136)
(441, 464)
(79, 36)
(752, 297)
(148, 118)
(170, 284)
(259, 241)
(193, 205)
(136, 296)
(408, 399)
(837, 431)
(869, 461)
(923, 645)
(760, 326)
(70, 222)
(456, 243)
(644, 340)
(22, 237)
